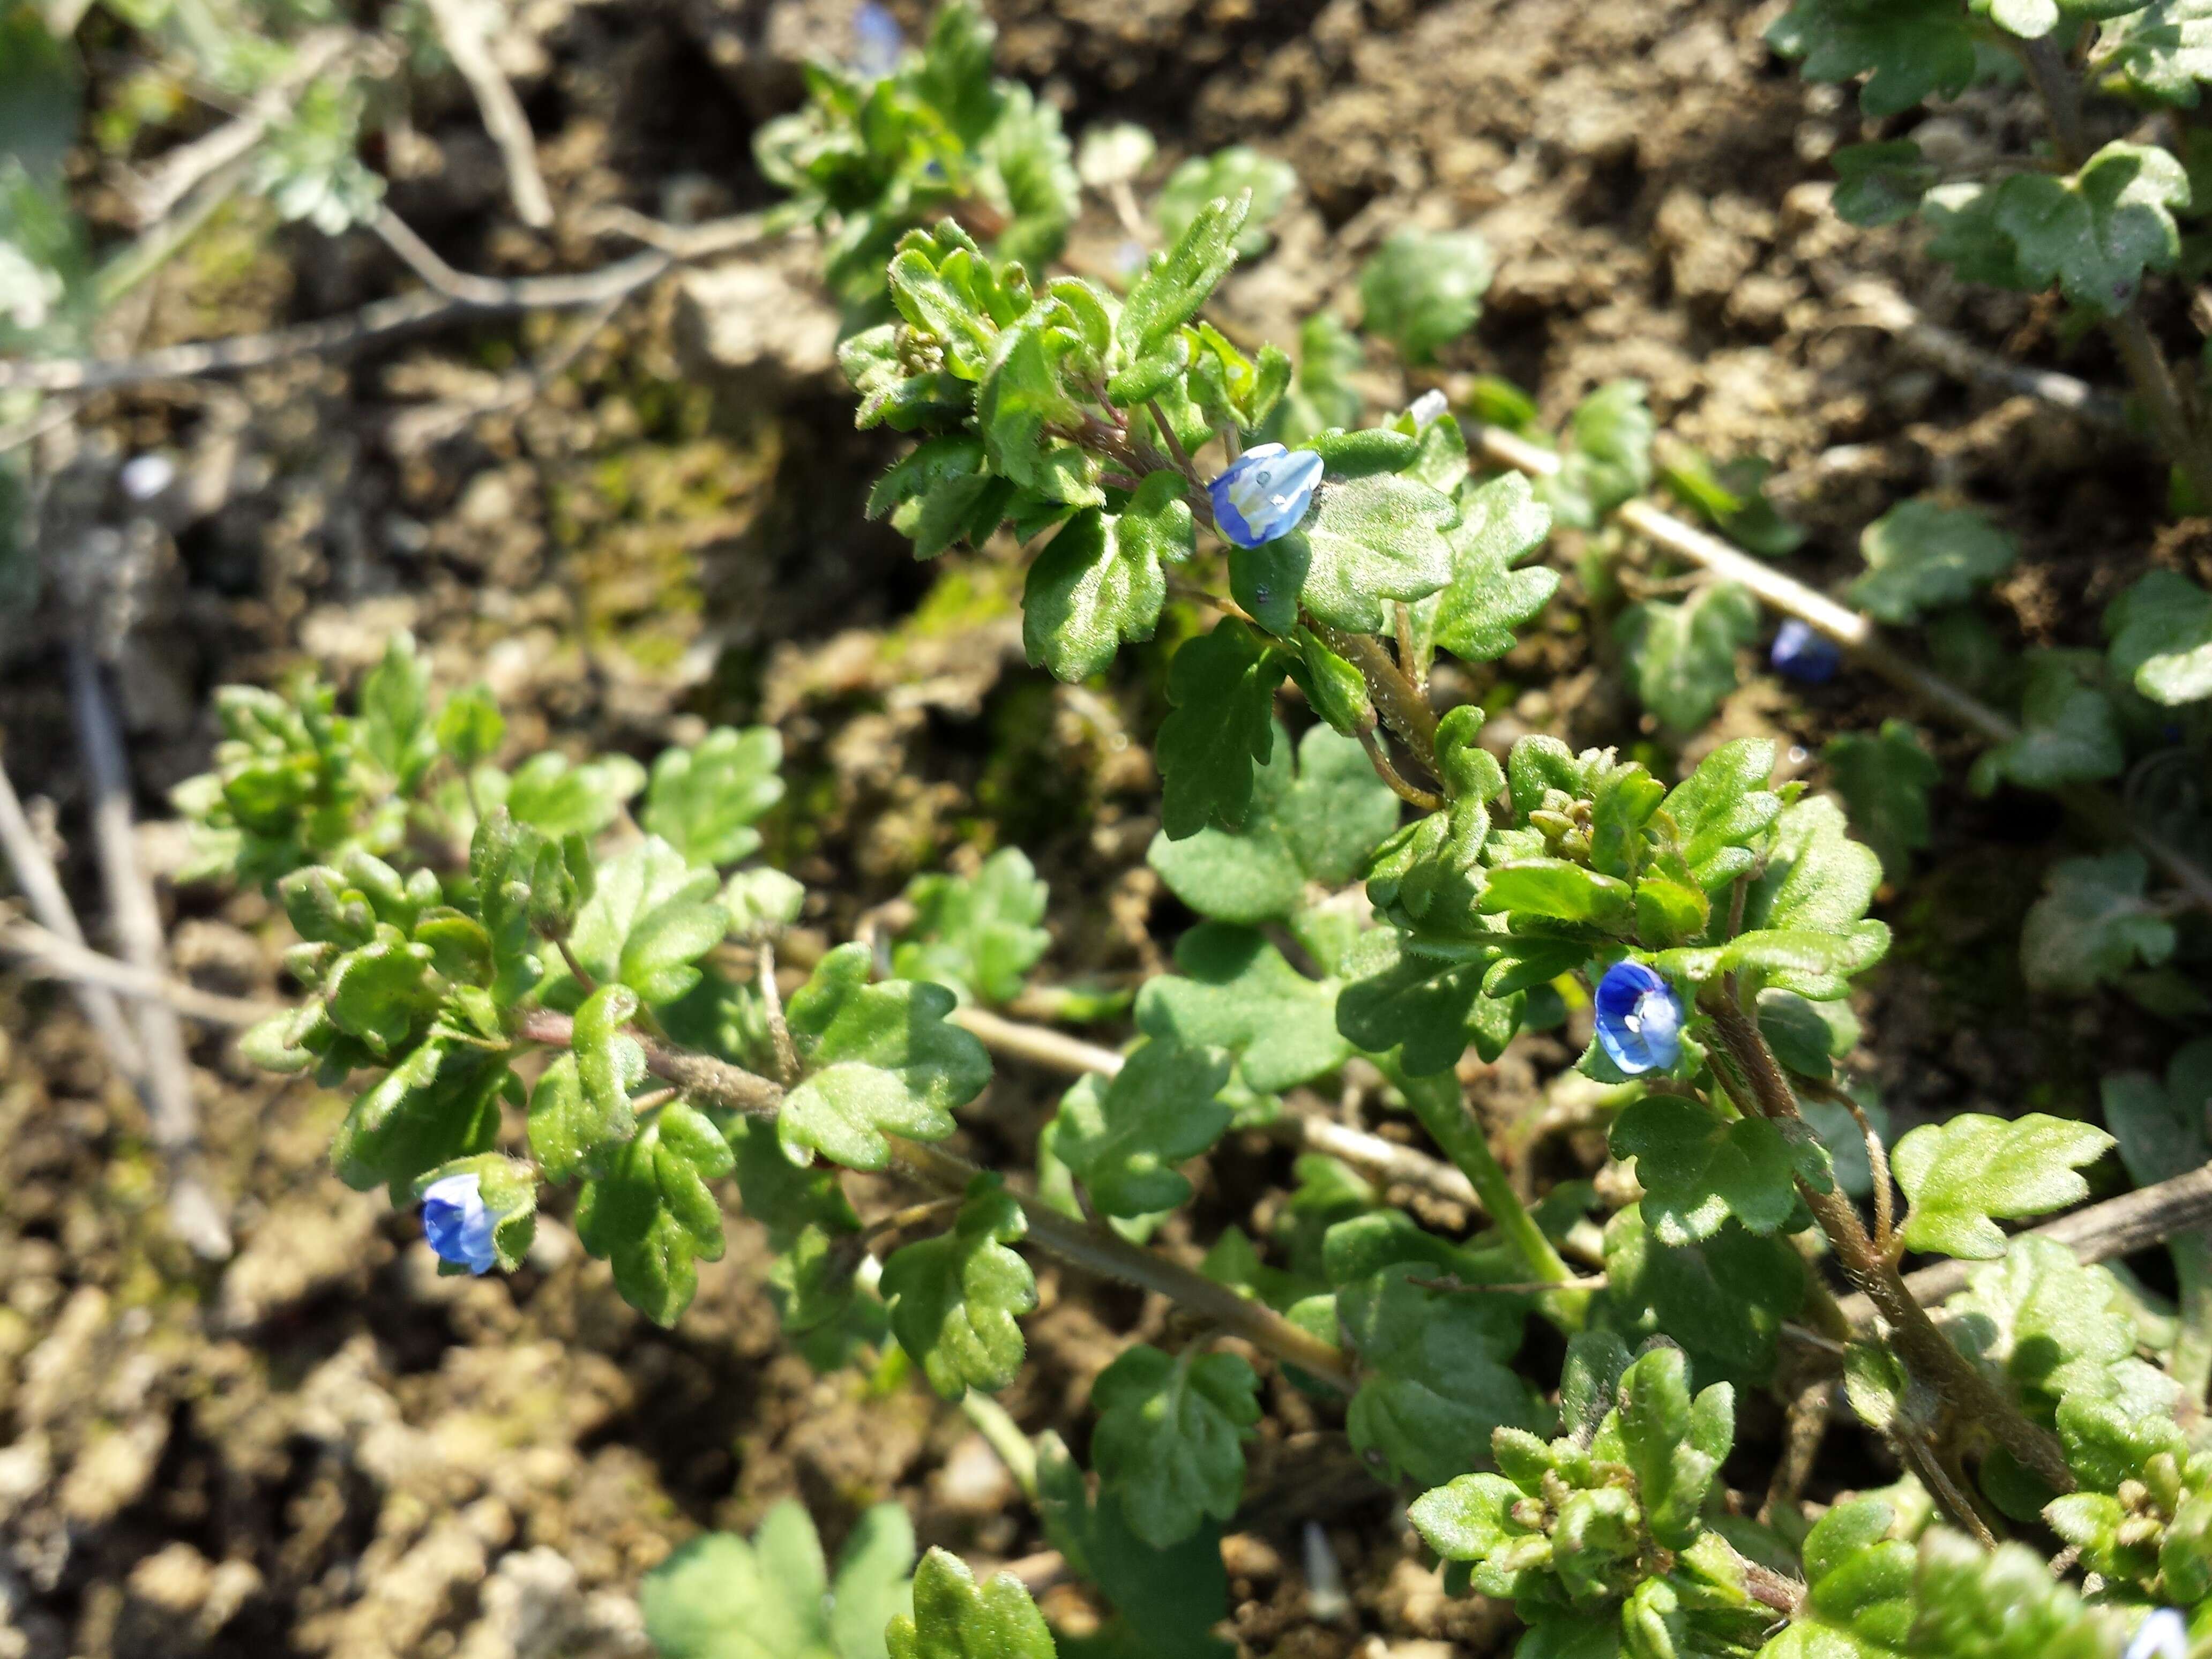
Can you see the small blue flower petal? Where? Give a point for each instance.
(1266, 494)
(877, 40)
(2163, 1635)
(458, 1224)
(1639, 1018)
(1802, 655)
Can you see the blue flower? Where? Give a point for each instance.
(1800, 655)
(2163, 1635)
(1266, 494)
(1639, 1018)
(877, 40)
(458, 1224)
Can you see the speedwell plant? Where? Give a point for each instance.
(561, 976)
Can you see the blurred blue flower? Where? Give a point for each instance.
(1266, 494)
(876, 40)
(1800, 655)
(1639, 1018)
(458, 1224)
(2163, 1635)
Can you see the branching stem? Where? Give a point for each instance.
(1925, 1348)
(1438, 1102)
(1095, 1249)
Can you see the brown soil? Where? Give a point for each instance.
(321, 1447)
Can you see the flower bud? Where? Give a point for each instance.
(458, 1224)
(1266, 494)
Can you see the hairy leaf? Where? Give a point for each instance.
(1168, 1441)
(1123, 1138)
(1920, 556)
(1963, 1175)
(880, 1060)
(954, 1299)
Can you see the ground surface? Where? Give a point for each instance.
(323, 1448)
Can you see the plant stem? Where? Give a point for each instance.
(1005, 1437)
(1437, 1103)
(1922, 1346)
(1398, 700)
(1095, 1249)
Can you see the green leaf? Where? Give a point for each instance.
(1501, 524)
(1168, 1599)
(650, 1213)
(558, 799)
(1422, 290)
(1920, 556)
(395, 725)
(2162, 1129)
(1428, 1008)
(880, 1060)
(1732, 496)
(1098, 582)
(1674, 1443)
(2162, 49)
(1437, 1374)
(1723, 1299)
(954, 1619)
(1881, 184)
(1316, 826)
(1024, 400)
(1681, 658)
(652, 915)
(1964, 1174)
(2160, 635)
(2044, 1321)
(1884, 779)
(1369, 540)
(1237, 992)
(977, 934)
(2005, 1604)
(2068, 732)
(1723, 811)
(1324, 395)
(1608, 459)
(2093, 924)
(443, 1102)
(381, 991)
(1816, 879)
(582, 1102)
(1908, 51)
(2097, 233)
(1559, 889)
(720, 1597)
(954, 1299)
(1223, 175)
(1858, 1602)
(1176, 283)
(703, 800)
(1333, 686)
(1168, 1440)
(1123, 1138)
(1223, 687)
(1698, 1169)
(470, 728)
(762, 903)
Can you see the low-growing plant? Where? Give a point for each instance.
(550, 973)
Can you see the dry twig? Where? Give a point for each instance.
(174, 1113)
(466, 28)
